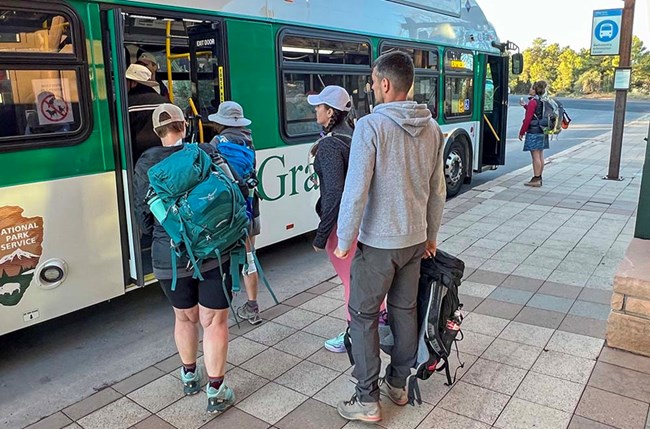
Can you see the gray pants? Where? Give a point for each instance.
(375, 274)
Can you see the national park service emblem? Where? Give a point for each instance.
(21, 241)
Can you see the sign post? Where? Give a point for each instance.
(611, 34)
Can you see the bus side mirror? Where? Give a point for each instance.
(517, 63)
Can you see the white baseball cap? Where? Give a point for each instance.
(334, 96)
(140, 74)
(175, 115)
(230, 114)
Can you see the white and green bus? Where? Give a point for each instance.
(68, 238)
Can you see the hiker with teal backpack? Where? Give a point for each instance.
(331, 154)
(199, 292)
(235, 143)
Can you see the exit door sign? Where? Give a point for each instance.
(606, 32)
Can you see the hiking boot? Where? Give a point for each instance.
(336, 344)
(535, 182)
(396, 394)
(219, 399)
(246, 312)
(357, 410)
(191, 381)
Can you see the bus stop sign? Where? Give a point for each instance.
(606, 32)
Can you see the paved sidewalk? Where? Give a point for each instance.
(540, 265)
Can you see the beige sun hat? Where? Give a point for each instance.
(140, 74)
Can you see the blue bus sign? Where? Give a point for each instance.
(606, 32)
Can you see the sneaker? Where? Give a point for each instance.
(219, 399)
(247, 313)
(336, 344)
(191, 381)
(357, 410)
(396, 394)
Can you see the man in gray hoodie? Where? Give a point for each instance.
(393, 199)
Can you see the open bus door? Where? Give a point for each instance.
(190, 57)
(116, 65)
(495, 111)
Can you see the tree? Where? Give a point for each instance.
(566, 71)
(640, 62)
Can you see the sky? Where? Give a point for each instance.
(566, 22)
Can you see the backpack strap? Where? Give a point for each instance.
(414, 394)
(345, 138)
(188, 248)
(347, 341)
(223, 286)
(195, 264)
(234, 270)
(261, 275)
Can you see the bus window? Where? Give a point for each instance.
(300, 116)
(321, 51)
(425, 84)
(459, 83)
(41, 77)
(425, 92)
(308, 65)
(35, 32)
(458, 96)
(39, 102)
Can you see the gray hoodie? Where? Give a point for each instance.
(395, 186)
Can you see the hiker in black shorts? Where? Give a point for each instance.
(196, 303)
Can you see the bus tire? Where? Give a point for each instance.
(455, 166)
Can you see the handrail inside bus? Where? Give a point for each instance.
(196, 113)
(168, 54)
(491, 127)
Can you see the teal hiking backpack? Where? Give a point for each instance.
(201, 208)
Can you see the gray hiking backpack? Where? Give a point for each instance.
(551, 117)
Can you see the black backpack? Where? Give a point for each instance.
(439, 319)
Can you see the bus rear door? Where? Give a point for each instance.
(114, 21)
(495, 111)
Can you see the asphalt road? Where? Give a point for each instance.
(590, 119)
(56, 363)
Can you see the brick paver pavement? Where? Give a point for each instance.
(540, 264)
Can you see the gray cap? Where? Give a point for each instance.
(230, 114)
(175, 115)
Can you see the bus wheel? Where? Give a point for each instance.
(455, 167)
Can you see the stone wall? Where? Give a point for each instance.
(628, 327)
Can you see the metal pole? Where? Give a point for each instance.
(625, 51)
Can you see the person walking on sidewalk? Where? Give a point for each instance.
(331, 157)
(196, 302)
(536, 140)
(232, 126)
(393, 199)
